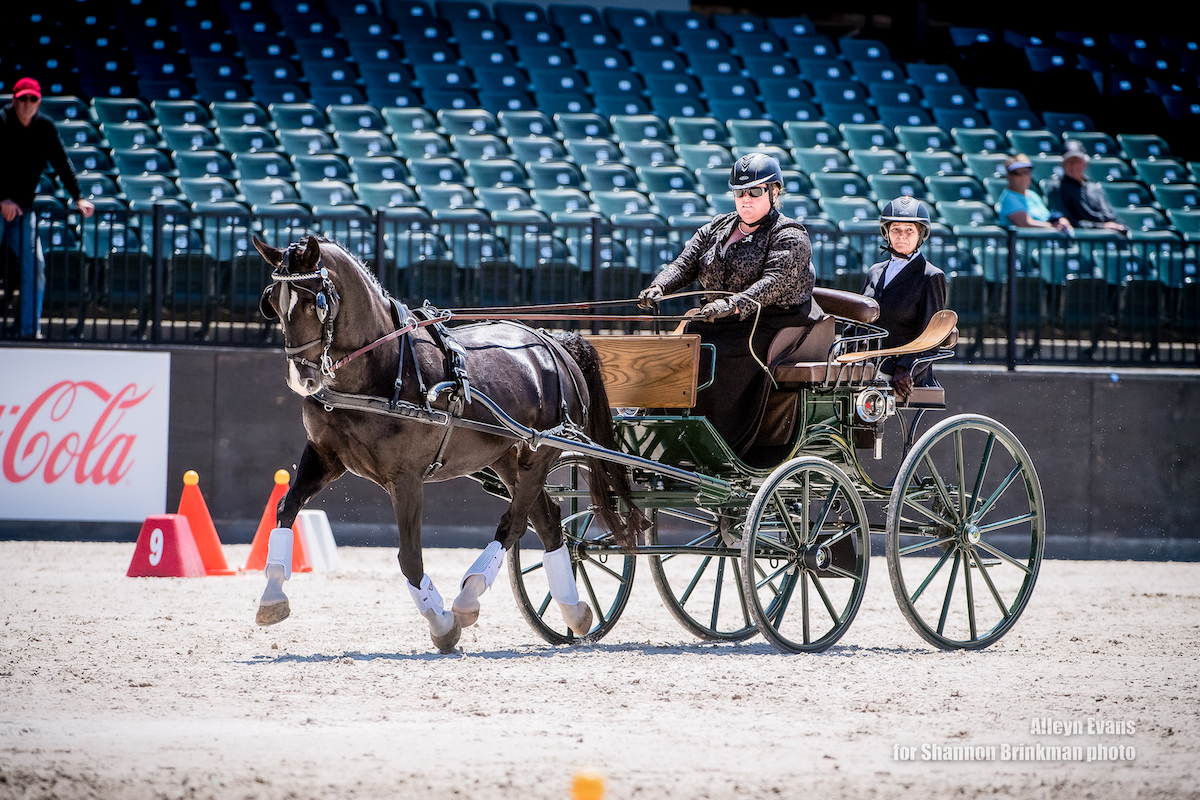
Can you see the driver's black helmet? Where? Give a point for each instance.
(905, 209)
(755, 169)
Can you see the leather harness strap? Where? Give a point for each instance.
(456, 369)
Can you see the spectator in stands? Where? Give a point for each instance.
(27, 141)
(908, 288)
(755, 266)
(1021, 206)
(1081, 201)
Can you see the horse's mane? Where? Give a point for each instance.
(363, 269)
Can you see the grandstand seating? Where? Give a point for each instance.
(519, 114)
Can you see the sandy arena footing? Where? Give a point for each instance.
(116, 687)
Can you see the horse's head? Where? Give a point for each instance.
(304, 296)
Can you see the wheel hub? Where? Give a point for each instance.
(969, 534)
(817, 557)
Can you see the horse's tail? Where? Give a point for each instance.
(609, 482)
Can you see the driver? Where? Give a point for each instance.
(756, 269)
(908, 288)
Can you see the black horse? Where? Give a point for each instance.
(331, 307)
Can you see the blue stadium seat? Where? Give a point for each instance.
(385, 194)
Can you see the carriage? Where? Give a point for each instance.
(774, 540)
(778, 541)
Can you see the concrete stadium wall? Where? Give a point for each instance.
(1118, 454)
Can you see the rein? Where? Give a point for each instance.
(328, 303)
(549, 311)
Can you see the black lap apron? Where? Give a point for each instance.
(734, 404)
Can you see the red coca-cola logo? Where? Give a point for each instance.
(50, 439)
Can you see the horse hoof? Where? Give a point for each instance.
(445, 643)
(275, 612)
(466, 619)
(581, 623)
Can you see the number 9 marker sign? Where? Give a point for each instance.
(165, 549)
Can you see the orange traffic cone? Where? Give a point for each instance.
(258, 549)
(192, 506)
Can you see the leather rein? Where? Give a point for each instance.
(328, 303)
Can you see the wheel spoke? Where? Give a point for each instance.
(841, 572)
(925, 583)
(805, 611)
(960, 466)
(717, 594)
(531, 568)
(737, 574)
(987, 578)
(1005, 556)
(949, 593)
(785, 519)
(969, 586)
(683, 598)
(1008, 523)
(833, 614)
(942, 491)
(781, 609)
(587, 582)
(605, 568)
(765, 580)
(821, 517)
(930, 513)
(545, 604)
(983, 466)
(773, 576)
(776, 545)
(712, 534)
(1004, 484)
(842, 534)
(934, 541)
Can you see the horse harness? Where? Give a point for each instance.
(327, 304)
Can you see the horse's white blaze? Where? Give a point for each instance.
(288, 299)
(296, 383)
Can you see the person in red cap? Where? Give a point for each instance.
(27, 141)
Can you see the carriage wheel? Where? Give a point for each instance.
(703, 591)
(806, 534)
(965, 533)
(603, 573)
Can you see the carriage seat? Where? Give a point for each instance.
(801, 354)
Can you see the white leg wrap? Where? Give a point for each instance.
(557, 564)
(279, 550)
(426, 596)
(488, 564)
(429, 603)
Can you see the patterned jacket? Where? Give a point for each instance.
(772, 266)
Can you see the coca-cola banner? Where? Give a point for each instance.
(83, 434)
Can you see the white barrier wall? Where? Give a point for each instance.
(83, 434)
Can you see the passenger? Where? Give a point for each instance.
(755, 266)
(1081, 201)
(908, 288)
(1021, 206)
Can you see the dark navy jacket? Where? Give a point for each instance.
(906, 305)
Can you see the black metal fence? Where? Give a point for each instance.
(165, 275)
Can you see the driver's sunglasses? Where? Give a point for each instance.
(29, 98)
(754, 191)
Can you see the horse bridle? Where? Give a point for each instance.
(327, 302)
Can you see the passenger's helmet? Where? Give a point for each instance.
(905, 209)
(755, 169)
